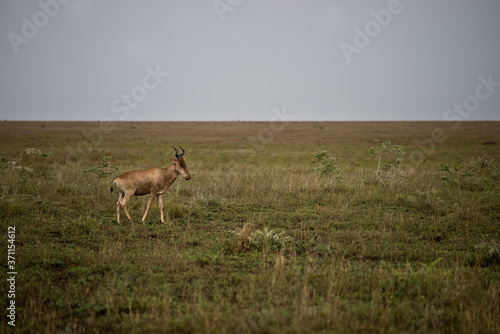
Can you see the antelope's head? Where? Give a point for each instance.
(180, 164)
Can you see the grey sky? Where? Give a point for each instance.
(240, 59)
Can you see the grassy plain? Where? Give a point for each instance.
(256, 242)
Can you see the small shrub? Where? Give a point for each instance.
(392, 155)
(101, 172)
(104, 170)
(22, 161)
(328, 167)
(474, 176)
(457, 175)
(266, 239)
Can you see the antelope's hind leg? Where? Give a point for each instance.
(123, 204)
(118, 205)
(148, 206)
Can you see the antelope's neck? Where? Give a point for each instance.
(170, 174)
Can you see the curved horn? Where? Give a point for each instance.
(180, 155)
(176, 153)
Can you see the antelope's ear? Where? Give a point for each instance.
(172, 160)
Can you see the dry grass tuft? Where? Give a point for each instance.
(242, 235)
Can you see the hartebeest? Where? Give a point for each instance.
(153, 181)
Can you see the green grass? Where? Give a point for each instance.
(256, 241)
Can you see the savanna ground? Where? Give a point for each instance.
(257, 241)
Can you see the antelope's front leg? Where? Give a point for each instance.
(160, 204)
(150, 201)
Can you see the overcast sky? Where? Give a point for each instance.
(250, 60)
